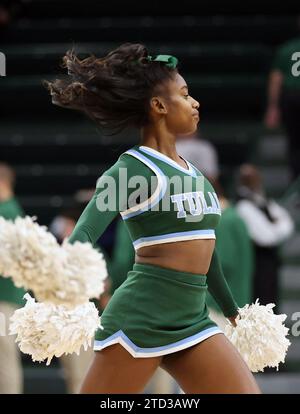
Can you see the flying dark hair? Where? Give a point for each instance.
(115, 90)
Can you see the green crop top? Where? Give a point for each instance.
(160, 202)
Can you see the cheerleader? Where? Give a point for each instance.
(158, 316)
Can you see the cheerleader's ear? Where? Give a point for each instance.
(158, 105)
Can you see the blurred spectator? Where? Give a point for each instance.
(283, 100)
(9, 9)
(4, 16)
(75, 366)
(269, 225)
(236, 255)
(11, 298)
(62, 225)
(200, 152)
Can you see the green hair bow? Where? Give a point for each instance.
(170, 61)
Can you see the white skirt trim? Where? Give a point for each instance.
(155, 197)
(137, 352)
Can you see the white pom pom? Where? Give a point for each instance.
(85, 269)
(68, 274)
(27, 252)
(260, 336)
(45, 330)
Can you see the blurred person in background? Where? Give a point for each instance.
(74, 365)
(200, 153)
(11, 297)
(4, 16)
(269, 224)
(10, 9)
(236, 255)
(283, 98)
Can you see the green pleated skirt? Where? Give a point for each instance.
(156, 311)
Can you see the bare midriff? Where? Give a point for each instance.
(192, 256)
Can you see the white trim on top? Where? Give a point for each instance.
(155, 197)
(174, 237)
(138, 352)
(168, 160)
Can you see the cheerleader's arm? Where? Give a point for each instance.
(101, 209)
(219, 289)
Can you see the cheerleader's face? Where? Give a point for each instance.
(177, 109)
